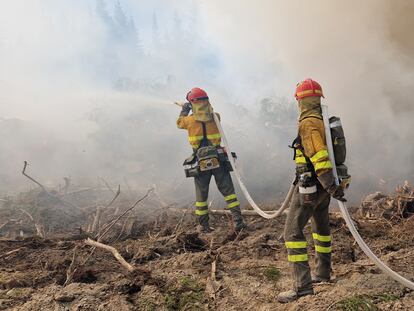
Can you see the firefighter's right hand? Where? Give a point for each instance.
(186, 109)
(327, 181)
(337, 192)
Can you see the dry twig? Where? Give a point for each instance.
(31, 178)
(106, 184)
(110, 224)
(113, 222)
(11, 252)
(114, 252)
(39, 227)
(71, 270)
(44, 188)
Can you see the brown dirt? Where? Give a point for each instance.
(173, 264)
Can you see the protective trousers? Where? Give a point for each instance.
(225, 186)
(301, 210)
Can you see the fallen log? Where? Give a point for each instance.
(224, 212)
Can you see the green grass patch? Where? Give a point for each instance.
(188, 294)
(189, 283)
(272, 274)
(364, 302)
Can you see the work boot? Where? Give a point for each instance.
(292, 295)
(204, 226)
(239, 223)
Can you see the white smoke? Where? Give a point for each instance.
(64, 115)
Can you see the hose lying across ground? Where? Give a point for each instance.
(345, 214)
(243, 188)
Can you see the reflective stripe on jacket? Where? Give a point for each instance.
(313, 141)
(195, 131)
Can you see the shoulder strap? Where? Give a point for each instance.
(295, 145)
(205, 142)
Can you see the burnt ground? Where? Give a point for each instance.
(173, 268)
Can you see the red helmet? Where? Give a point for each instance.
(308, 88)
(196, 94)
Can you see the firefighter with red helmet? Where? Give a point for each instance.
(208, 159)
(315, 184)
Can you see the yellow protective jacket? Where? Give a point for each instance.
(313, 142)
(195, 130)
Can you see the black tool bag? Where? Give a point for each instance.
(191, 167)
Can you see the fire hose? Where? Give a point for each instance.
(345, 214)
(243, 188)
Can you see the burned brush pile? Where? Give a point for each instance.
(393, 208)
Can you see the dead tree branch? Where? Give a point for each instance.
(100, 210)
(118, 192)
(11, 252)
(31, 178)
(222, 212)
(66, 186)
(5, 224)
(96, 244)
(96, 219)
(45, 190)
(113, 222)
(106, 184)
(72, 268)
(114, 252)
(39, 227)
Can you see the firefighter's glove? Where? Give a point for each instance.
(185, 110)
(337, 192)
(327, 181)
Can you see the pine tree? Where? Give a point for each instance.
(177, 26)
(119, 16)
(155, 31)
(102, 12)
(135, 38)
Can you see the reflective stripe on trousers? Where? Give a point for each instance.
(231, 201)
(201, 208)
(322, 243)
(297, 251)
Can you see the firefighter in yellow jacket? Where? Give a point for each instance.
(209, 158)
(315, 185)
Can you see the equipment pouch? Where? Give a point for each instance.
(208, 158)
(224, 158)
(307, 189)
(191, 167)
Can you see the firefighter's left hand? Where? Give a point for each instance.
(186, 109)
